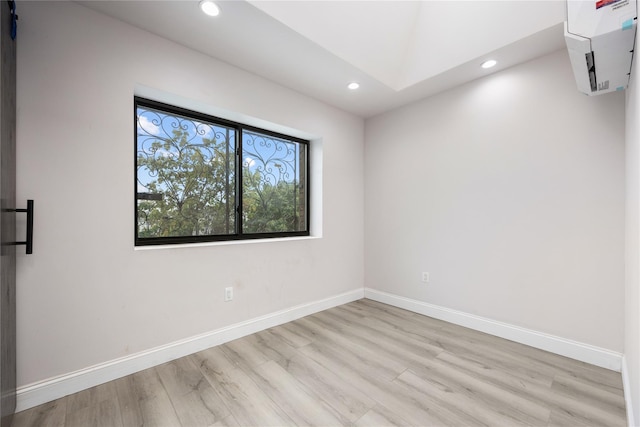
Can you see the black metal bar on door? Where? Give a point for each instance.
(29, 241)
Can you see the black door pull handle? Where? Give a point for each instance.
(29, 212)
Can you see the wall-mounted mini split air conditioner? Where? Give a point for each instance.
(600, 37)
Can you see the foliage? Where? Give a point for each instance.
(269, 207)
(197, 185)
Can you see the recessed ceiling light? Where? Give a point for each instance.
(353, 85)
(209, 7)
(488, 64)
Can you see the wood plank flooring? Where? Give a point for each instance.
(361, 364)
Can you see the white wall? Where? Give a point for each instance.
(509, 191)
(86, 296)
(632, 288)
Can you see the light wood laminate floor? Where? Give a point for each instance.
(360, 364)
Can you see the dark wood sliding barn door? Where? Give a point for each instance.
(7, 217)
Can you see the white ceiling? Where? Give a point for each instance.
(399, 51)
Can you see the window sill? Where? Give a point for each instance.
(224, 243)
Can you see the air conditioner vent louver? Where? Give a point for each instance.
(591, 69)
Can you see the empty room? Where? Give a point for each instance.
(325, 213)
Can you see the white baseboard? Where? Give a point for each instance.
(626, 386)
(576, 350)
(54, 388)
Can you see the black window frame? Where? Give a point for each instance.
(238, 234)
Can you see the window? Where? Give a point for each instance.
(201, 178)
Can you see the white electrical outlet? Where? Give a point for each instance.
(425, 277)
(228, 293)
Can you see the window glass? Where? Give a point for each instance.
(199, 178)
(273, 196)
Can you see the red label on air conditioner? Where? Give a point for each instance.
(603, 3)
